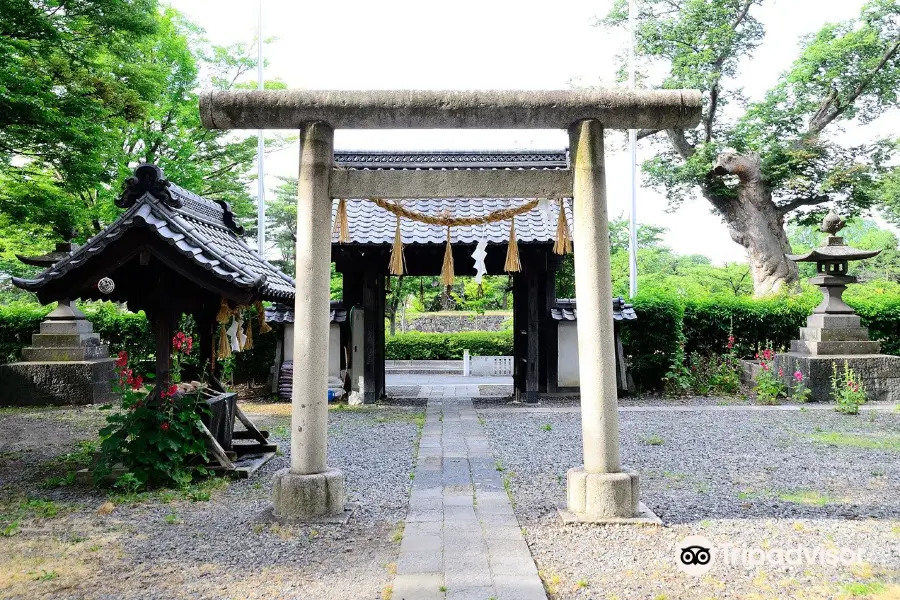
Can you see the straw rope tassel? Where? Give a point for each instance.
(224, 346)
(447, 271)
(513, 265)
(261, 315)
(398, 263)
(224, 312)
(563, 243)
(340, 222)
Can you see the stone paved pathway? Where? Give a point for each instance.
(462, 539)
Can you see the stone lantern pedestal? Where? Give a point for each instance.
(65, 364)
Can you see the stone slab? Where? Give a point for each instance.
(879, 372)
(835, 347)
(832, 321)
(644, 516)
(835, 334)
(57, 382)
(76, 354)
(450, 109)
(67, 326)
(64, 340)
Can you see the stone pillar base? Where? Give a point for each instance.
(307, 497)
(605, 498)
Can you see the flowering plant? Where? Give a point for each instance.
(769, 385)
(799, 391)
(847, 390)
(157, 436)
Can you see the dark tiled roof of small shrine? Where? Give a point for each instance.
(537, 159)
(565, 310)
(283, 313)
(204, 231)
(372, 225)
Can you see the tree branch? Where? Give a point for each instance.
(832, 107)
(795, 204)
(680, 143)
(642, 133)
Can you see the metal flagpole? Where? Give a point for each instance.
(260, 149)
(632, 146)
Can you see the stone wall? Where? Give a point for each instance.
(449, 323)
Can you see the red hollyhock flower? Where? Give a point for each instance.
(164, 426)
(173, 389)
(137, 382)
(180, 335)
(122, 360)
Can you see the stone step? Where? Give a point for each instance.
(833, 321)
(839, 334)
(64, 354)
(834, 347)
(64, 340)
(72, 326)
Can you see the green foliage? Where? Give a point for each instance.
(447, 346)
(769, 385)
(88, 90)
(653, 339)
(847, 390)
(158, 438)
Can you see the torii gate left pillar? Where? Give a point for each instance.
(599, 491)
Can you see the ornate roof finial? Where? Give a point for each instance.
(832, 223)
(147, 179)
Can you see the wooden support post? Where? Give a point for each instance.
(532, 335)
(550, 335)
(520, 318)
(369, 292)
(543, 311)
(380, 377)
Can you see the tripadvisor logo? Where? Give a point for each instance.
(695, 555)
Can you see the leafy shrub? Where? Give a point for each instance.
(447, 346)
(652, 341)
(847, 390)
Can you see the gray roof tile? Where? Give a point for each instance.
(203, 230)
(565, 310)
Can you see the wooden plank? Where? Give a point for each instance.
(550, 334)
(380, 377)
(216, 450)
(347, 183)
(251, 428)
(520, 301)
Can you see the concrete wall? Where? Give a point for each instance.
(568, 354)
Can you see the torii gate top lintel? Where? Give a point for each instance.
(476, 109)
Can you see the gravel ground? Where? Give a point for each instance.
(166, 546)
(755, 479)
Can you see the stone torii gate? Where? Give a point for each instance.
(600, 490)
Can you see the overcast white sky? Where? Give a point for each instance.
(486, 44)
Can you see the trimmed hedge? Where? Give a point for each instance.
(447, 346)
(663, 322)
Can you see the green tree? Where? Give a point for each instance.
(66, 179)
(780, 157)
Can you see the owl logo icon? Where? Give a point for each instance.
(694, 555)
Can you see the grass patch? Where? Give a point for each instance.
(199, 491)
(546, 427)
(853, 440)
(397, 535)
(654, 440)
(808, 497)
(859, 589)
(12, 514)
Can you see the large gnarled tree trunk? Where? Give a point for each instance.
(755, 222)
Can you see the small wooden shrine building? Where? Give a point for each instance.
(171, 253)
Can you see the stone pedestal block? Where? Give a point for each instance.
(298, 497)
(599, 496)
(879, 372)
(51, 382)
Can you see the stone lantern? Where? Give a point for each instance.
(833, 333)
